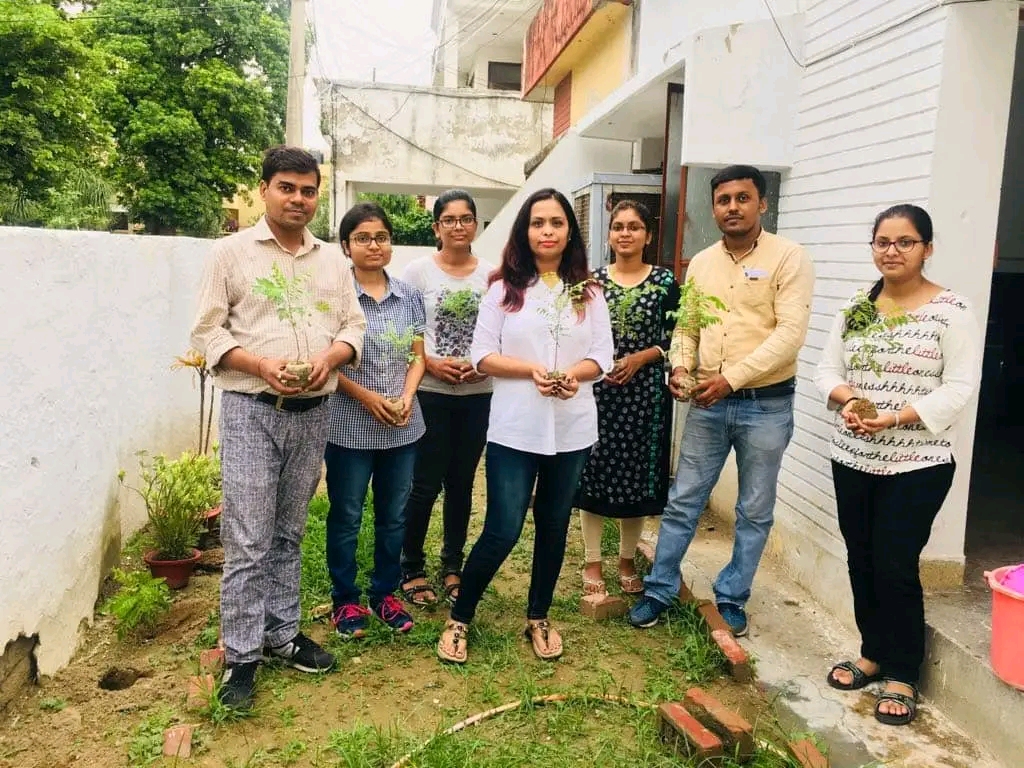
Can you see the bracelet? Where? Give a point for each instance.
(894, 426)
(259, 366)
(849, 400)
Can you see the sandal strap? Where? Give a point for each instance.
(859, 675)
(900, 698)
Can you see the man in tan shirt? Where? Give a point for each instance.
(273, 430)
(745, 367)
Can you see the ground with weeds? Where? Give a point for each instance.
(390, 696)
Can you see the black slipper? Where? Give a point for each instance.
(910, 702)
(860, 677)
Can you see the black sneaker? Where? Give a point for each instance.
(302, 654)
(238, 686)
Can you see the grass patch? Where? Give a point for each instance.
(147, 740)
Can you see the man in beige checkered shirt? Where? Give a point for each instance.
(273, 431)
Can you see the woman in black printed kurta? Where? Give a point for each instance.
(626, 476)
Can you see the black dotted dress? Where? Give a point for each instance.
(627, 472)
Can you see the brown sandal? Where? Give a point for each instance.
(547, 643)
(593, 586)
(631, 585)
(454, 637)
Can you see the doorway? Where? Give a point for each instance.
(995, 508)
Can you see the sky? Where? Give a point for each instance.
(355, 37)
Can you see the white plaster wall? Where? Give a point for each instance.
(92, 323)
(742, 77)
(403, 255)
(433, 137)
(665, 25)
(570, 161)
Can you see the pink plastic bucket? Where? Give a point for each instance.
(1007, 655)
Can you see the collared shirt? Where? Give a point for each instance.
(522, 418)
(230, 315)
(383, 371)
(767, 293)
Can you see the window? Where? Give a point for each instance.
(502, 76)
(563, 106)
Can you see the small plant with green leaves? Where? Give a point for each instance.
(869, 325)
(53, 704)
(572, 298)
(398, 346)
(456, 319)
(139, 603)
(147, 741)
(697, 310)
(623, 306)
(290, 297)
(177, 495)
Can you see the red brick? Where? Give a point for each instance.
(200, 689)
(211, 662)
(736, 733)
(178, 741)
(712, 617)
(600, 607)
(736, 658)
(807, 754)
(676, 724)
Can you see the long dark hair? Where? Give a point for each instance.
(518, 269)
(922, 222)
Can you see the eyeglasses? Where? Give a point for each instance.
(365, 238)
(449, 222)
(633, 226)
(903, 245)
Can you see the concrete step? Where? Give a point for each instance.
(958, 677)
(794, 641)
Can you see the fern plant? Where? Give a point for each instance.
(870, 325)
(139, 603)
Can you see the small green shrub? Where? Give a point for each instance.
(139, 602)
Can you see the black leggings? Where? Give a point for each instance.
(886, 521)
(447, 456)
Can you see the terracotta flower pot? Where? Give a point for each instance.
(211, 518)
(175, 572)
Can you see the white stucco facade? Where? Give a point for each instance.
(92, 324)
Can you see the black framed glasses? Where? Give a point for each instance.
(633, 226)
(449, 222)
(365, 238)
(903, 244)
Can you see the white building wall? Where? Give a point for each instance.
(92, 323)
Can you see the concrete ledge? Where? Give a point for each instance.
(963, 686)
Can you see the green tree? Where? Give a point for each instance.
(197, 92)
(50, 128)
(413, 225)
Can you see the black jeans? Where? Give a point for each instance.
(886, 521)
(510, 480)
(447, 456)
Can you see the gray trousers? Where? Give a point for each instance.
(270, 465)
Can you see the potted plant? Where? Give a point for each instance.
(572, 296)
(622, 304)
(196, 362)
(290, 297)
(456, 319)
(697, 310)
(177, 495)
(868, 327)
(398, 352)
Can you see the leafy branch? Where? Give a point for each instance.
(571, 296)
(622, 305)
(864, 321)
(461, 305)
(399, 343)
(697, 310)
(290, 297)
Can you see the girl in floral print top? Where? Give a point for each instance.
(911, 348)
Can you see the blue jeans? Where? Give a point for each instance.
(759, 430)
(348, 477)
(510, 479)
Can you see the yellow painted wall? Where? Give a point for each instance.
(603, 69)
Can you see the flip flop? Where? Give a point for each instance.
(541, 635)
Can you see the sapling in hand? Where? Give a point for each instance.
(697, 311)
(398, 346)
(571, 296)
(290, 298)
(456, 319)
(869, 327)
(622, 307)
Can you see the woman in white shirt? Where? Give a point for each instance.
(916, 361)
(543, 334)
